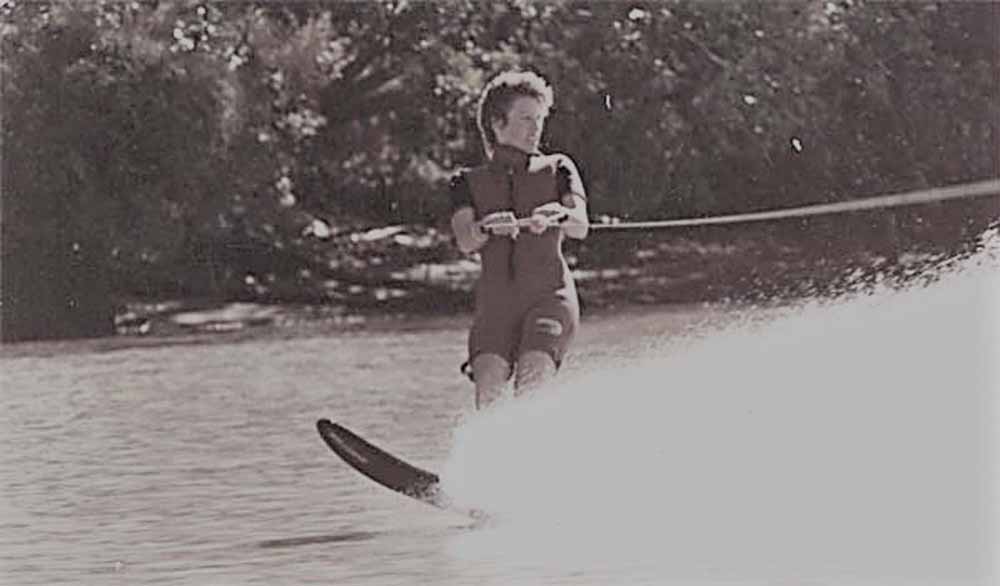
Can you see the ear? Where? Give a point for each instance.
(496, 124)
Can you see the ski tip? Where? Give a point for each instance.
(328, 430)
(338, 437)
(325, 424)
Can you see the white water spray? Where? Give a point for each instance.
(847, 442)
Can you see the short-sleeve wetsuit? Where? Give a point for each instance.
(525, 296)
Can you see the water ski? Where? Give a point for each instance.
(383, 467)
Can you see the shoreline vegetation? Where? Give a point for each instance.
(416, 280)
(299, 153)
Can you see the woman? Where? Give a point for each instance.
(527, 310)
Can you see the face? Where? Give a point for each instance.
(524, 125)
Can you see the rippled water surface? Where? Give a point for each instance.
(849, 443)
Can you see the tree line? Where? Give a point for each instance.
(177, 147)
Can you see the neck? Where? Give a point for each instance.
(511, 156)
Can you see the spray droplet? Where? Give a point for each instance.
(607, 102)
(796, 145)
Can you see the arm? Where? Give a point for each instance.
(577, 224)
(572, 203)
(467, 232)
(573, 196)
(468, 235)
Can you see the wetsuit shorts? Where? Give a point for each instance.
(547, 325)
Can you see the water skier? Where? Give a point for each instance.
(514, 210)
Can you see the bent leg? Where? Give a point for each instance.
(491, 372)
(534, 368)
(548, 329)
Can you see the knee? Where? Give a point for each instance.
(491, 373)
(534, 368)
(490, 369)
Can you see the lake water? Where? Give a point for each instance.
(851, 442)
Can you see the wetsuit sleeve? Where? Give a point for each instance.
(568, 178)
(459, 191)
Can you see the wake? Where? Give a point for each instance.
(848, 439)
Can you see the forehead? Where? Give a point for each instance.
(527, 106)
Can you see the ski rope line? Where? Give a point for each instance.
(965, 190)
